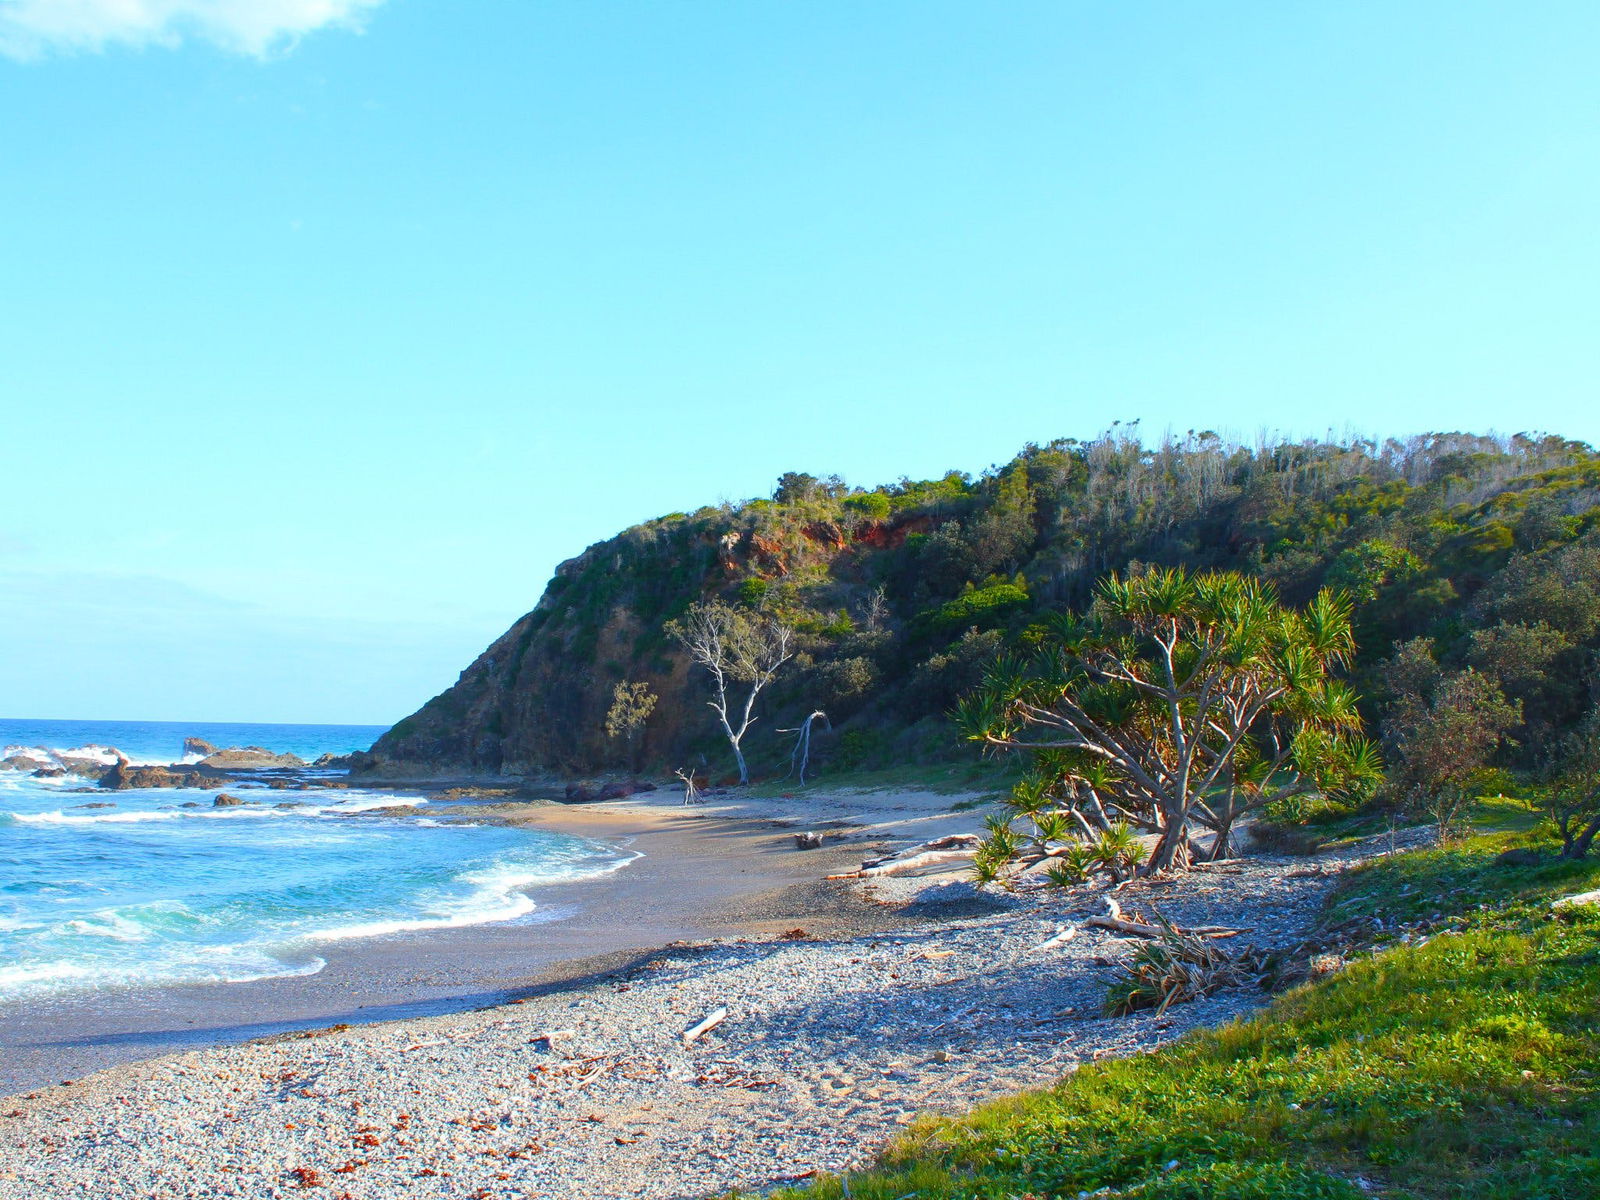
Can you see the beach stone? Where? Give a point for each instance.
(808, 841)
(226, 801)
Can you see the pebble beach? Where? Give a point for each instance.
(822, 1044)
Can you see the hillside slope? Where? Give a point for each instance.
(900, 594)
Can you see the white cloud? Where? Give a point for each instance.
(30, 28)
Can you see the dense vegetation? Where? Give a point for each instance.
(1481, 552)
(1457, 1060)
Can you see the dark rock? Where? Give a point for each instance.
(808, 841)
(290, 804)
(335, 762)
(49, 772)
(200, 746)
(24, 762)
(584, 793)
(89, 768)
(124, 776)
(226, 801)
(97, 804)
(190, 804)
(1519, 858)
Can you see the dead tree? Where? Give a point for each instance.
(735, 647)
(800, 756)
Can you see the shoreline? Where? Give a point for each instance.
(588, 1087)
(726, 869)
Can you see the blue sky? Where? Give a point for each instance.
(327, 328)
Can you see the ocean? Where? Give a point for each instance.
(150, 892)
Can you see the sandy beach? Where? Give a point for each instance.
(900, 996)
(727, 868)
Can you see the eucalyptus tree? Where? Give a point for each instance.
(1179, 702)
(742, 651)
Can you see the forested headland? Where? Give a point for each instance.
(1458, 551)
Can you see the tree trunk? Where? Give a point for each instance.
(1222, 847)
(1166, 851)
(1579, 846)
(738, 754)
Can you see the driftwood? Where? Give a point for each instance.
(1115, 921)
(1060, 939)
(945, 849)
(691, 793)
(700, 1028)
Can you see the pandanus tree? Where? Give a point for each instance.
(1176, 705)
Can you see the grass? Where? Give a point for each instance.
(1462, 1059)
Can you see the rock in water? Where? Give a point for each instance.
(226, 801)
(197, 746)
(124, 776)
(249, 758)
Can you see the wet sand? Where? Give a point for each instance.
(727, 869)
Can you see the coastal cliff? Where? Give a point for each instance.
(900, 595)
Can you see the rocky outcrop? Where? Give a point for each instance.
(125, 776)
(25, 762)
(88, 762)
(198, 747)
(334, 762)
(250, 758)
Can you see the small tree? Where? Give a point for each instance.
(735, 647)
(1573, 800)
(1179, 701)
(631, 706)
(1442, 730)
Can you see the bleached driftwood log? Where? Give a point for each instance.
(700, 1028)
(953, 848)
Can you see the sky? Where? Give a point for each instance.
(329, 327)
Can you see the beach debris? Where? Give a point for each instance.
(808, 841)
(1115, 921)
(1060, 939)
(1176, 966)
(691, 792)
(946, 849)
(700, 1028)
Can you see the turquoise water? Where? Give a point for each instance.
(149, 892)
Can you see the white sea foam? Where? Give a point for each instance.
(232, 812)
(498, 896)
(244, 963)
